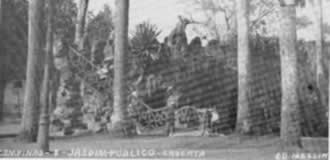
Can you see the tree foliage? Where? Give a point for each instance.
(144, 42)
(14, 39)
(64, 18)
(101, 25)
(145, 37)
(220, 17)
(14, 32)
(214, 10)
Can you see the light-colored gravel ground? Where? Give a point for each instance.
(226, 147)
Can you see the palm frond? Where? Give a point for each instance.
(145, 36)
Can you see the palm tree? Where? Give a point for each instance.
(320, 68)
(119, 117)
(244, 66)
(2, 82)
(145, 36)
(81, 22)
(1, 12)
(29, 124)
(80, 32)
(43, 135)
(290, 119)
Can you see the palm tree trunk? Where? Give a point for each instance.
(2, 81)
(29, 124)
(80, 31)
(244, 66)
(81, 22)
(120, 64)
(43, 135)
(2, 97)
(1, 13)
(290, 119)
(320, 57)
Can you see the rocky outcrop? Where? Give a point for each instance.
(67, 115)
(96, 112)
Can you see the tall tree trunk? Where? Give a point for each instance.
(81, 22)
(320, 57)
(290, 118)
(2, 97)
(43, 135)
(80, 31)
(244, 66)
(1, 13)
(2, 81)
(29, 124)
(120, 64)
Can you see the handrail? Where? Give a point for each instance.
(148, 107)
(84, 58)
(82, 76)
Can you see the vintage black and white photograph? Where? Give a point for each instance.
(164, 79)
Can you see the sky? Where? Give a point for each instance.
(164, 13)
